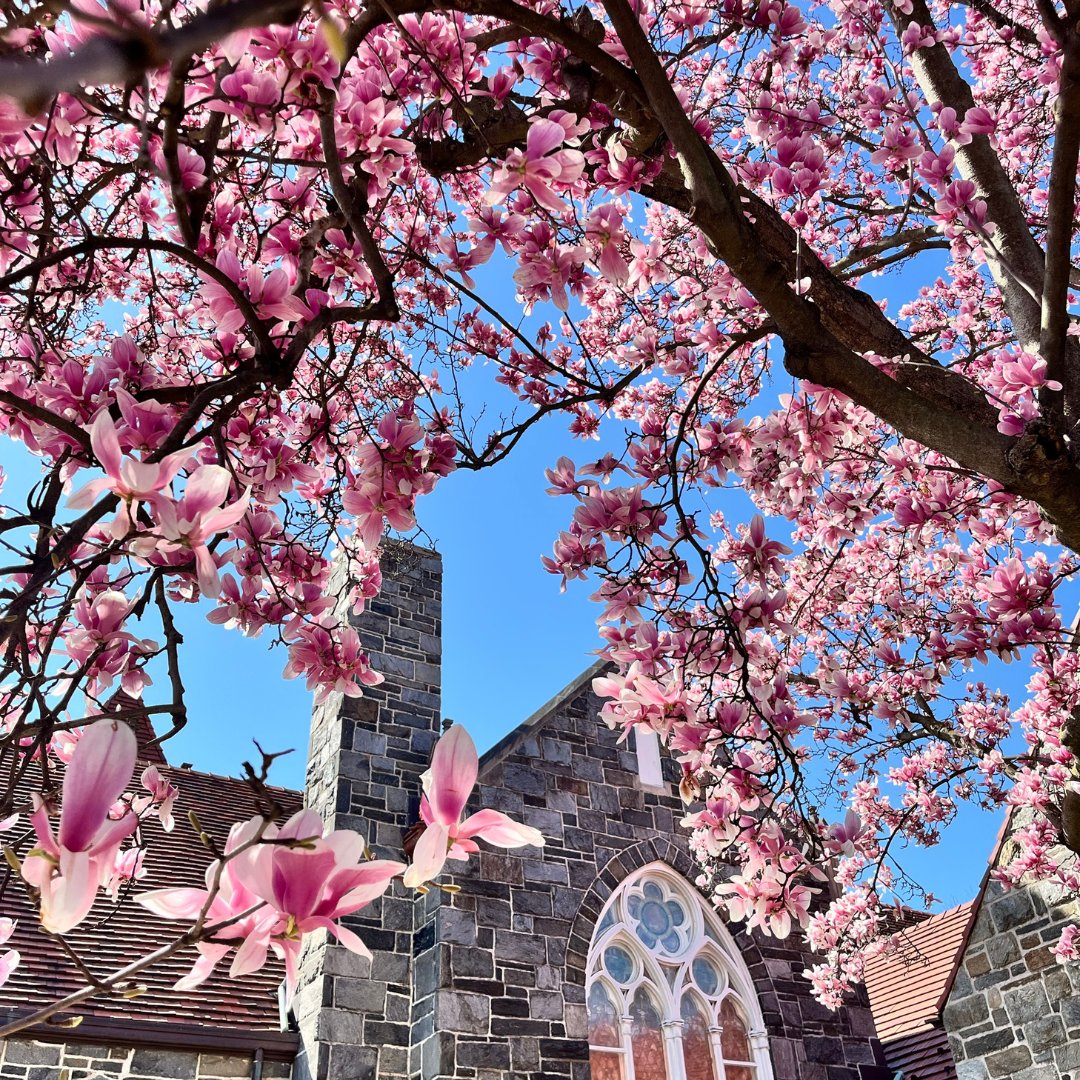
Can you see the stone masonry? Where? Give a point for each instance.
(512, 946)
(488, 983)
(1013, 1011)
(28, 1059)
(364, 767)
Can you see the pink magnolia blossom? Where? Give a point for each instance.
(842, 837)
(163, 794)
(225, 900)
(447, 786)
(133, 481)
(271, 892)
(1067, 948)
(69, 866)
(310, 886)
(9, 960)
(198, 517)
(538, 167)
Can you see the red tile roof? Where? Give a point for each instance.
(908, 985)
(116, 934)
(923, 1056)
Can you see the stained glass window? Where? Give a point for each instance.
(605, 1030)
(735, 1040)
(660, 921)
(738, 1072)
(706, 975)
(647, 1039)
(697, 1049)
(603, 1018)
(667, 989)
(619, 962)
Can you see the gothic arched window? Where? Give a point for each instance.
(669, 996)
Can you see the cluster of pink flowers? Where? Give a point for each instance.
(314, 297)
(273, 883)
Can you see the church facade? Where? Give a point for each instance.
(592, 956)
(595, 952)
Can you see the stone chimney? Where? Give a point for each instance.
(364, 767)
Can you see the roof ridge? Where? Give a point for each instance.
(536, 720)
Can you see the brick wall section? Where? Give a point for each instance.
(364, 769)
(26, 1059)
(1013, 1011)
(512, 945)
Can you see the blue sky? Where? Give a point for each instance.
(511, 638)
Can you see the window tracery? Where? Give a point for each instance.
(669, 997)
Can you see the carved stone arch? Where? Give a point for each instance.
(652, 931)
(617, 869)
(611, 876)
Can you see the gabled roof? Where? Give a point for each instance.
(242, 1011)
(539, 719)
(908, 985)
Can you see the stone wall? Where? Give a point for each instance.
(1013, 1010)
(512, 946)
(28, 1059)
(364, 769)
(488, 983)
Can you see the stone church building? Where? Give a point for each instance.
(593, 956)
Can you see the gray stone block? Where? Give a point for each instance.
(1024, 1003)
(1008, 1062)
(1044, 1034)
(457, 1011)
(171, 1064)
(25, 1052)
(1003, 950)
(965, 1012)
(224, 1065)
(1012, 910)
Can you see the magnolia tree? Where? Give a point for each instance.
(248, 249)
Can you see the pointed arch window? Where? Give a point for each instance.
(669, 997)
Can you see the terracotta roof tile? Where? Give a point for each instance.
(923, 1056)
(116, 934)
(907, 986)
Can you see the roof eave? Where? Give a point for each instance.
(113, 1031)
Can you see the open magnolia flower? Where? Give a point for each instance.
(447, 786)
(9, 960)
(69, 867)
(275, 888)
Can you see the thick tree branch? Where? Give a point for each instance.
(1019, 272)
(1062, 363)
(124, 56)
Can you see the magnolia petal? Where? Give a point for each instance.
(227, 516)
(203, 967)
(67, 898)
(100, 769)
(251, 956)
(207, 572)
(498, 829)
(8, 963)
(364, 884)
(106, 443)
(303, 825)
(206, 489)
(174, 903)
(429, 855)
(454, 766)
(347, 938)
